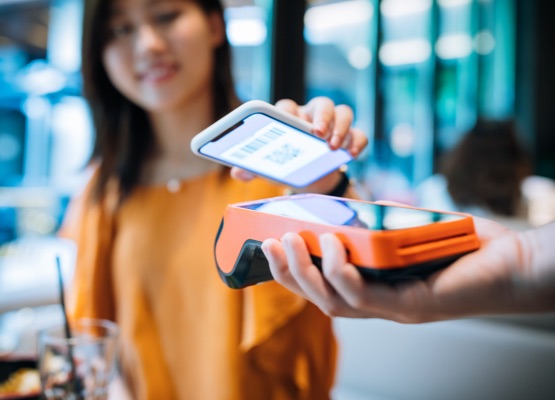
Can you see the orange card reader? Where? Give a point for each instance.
(390, 243)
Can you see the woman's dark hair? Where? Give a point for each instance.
(124, 138)
(487, 167)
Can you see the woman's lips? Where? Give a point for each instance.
(158, 73)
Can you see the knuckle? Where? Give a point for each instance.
(343, 108)
(333, 310)
(331, 274)
(287, 105)
(358, 302)
(324, 100)
(281, 273)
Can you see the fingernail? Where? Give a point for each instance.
(266, 250)
(286, 241)
(320, 129)
(335, 141)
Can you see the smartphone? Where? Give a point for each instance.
(385, 242)
(268, 142)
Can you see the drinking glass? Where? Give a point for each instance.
(80, 367)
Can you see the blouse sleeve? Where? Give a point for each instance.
(91, 224)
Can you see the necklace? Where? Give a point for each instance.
(173, 185)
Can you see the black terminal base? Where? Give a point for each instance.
(252, 267)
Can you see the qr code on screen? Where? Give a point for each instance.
(284, 154)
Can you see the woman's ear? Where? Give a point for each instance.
(217, 26)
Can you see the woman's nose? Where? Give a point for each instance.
(149, 40)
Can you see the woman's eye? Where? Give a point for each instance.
(167, 17)
(121, 31)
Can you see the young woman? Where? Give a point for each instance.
(155, 73)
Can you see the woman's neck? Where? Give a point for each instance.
(173, 131)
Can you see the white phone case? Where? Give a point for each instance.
(295, 161)
(240, 113)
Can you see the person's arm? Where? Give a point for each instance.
(540, 272)
(510, 273)
(331, 122)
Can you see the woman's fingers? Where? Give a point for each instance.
(330, 122)
(241, 175)
(290, 107)
(358, 141)
(341, 133)
(321, 111)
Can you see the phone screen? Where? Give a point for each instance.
(276, 150)
(334, 211)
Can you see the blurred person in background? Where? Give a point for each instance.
(156, 73)
(488, 174)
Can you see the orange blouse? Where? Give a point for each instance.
(149, 266)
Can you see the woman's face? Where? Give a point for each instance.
(160, 53)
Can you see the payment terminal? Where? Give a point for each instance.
(390, 243)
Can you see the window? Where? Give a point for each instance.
(417, 74)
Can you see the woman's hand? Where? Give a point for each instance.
(510, 273)
(332, 123)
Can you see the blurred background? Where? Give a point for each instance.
(419, 75)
